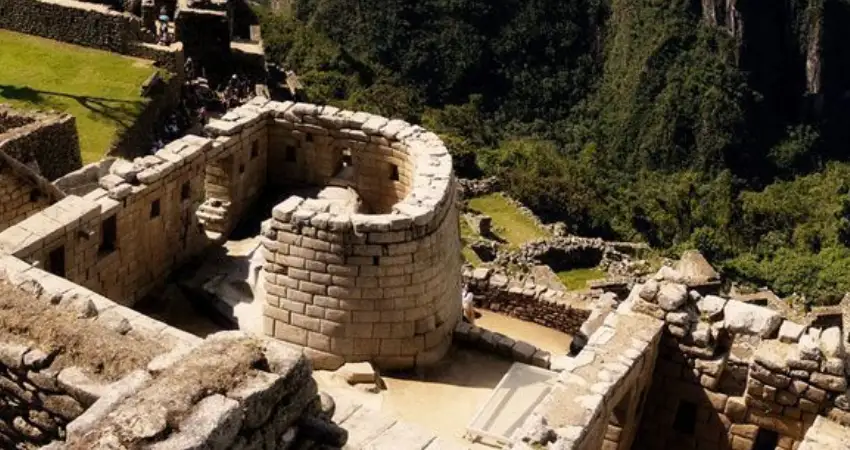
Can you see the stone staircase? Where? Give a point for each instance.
(214, 215)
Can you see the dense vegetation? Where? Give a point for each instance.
(625, 119)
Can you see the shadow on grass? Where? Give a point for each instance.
(122, 112)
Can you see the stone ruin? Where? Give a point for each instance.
(368, 269)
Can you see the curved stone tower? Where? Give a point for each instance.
(369, 270)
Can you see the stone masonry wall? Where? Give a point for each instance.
(17, 198)
(149, 204)
(231, 391)
(350, 286)
(49, 376)
(537, 304)
(80, 23)
(729, 372)
(598, 399)
(235, 179)
(49, 144)
(312, 141)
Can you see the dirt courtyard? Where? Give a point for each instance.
(445, 398)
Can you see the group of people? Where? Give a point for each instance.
(163, 31)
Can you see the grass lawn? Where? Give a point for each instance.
(466, 238)
(99, 88)
(509, 223)
(576, 279)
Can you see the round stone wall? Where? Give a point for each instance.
(354, 287)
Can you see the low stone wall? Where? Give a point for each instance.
(168, 57)
(61, 346)
(23, 193)
(231, 391)
(84, 180)
(123, 238)
(493, 342)
(729, 371)
(48, 144)
(79, 370)
(599, 396)
(538, 304)
(86, 24)
(36, 408)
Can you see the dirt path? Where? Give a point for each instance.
(553, 341)
(446, 397)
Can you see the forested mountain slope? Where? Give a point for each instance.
(720, 124)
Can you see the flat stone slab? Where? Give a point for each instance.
(365, 425)
(357, 373)
(410, 437)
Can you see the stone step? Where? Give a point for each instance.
(209, 218)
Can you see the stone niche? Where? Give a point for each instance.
(373, 275)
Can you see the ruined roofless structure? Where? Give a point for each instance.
(367, 270)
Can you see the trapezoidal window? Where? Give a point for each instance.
(291, 156)
(393, 172)
(155, 209)
(686, 417)
(766, 440)
(255, 149)
(56, 261)
(347, 160)
(108, 236)
(185, 191)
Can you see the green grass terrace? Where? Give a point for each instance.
(514, 228)
(509, 225)
(100, 89)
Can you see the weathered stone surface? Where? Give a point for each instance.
(649, 290)
(744, 318)
(829, 382)
(831, 344)
(80, 386)
(711, 306)
(790, 332)
(736, 409)
(213, 424)
(808, 349)
(258, 395)
(766, 376)
(12, 355)
(651, 309)
(671, 296)
(110, 398)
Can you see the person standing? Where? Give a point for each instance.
(468, 305)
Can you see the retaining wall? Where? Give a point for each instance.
(48, 144)
(86, 24)
(231, 391)
(531, 303)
